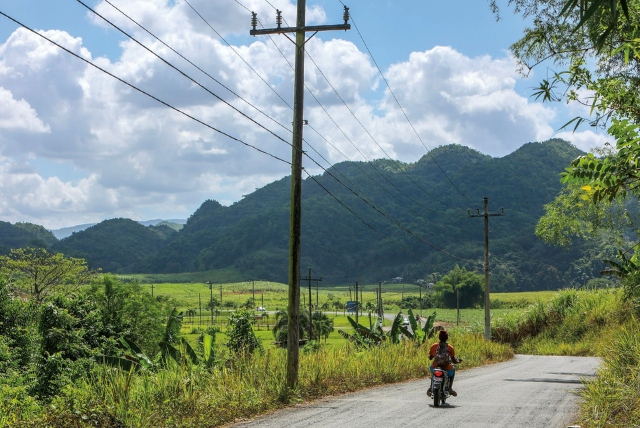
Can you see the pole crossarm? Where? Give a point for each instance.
(309, 28)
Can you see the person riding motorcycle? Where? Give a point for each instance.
(443, 336)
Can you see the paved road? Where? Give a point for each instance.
(528, 391)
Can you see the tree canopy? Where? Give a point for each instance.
(596, 44)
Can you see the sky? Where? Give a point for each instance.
(79, 146)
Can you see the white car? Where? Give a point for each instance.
(261, 309)
(406, 321)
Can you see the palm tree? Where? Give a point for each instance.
(322, 325)
(280, 328)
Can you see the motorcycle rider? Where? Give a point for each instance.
(443, 336)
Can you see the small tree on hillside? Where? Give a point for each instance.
(43, 271)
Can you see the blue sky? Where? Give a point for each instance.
(76, 146)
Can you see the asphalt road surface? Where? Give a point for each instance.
(528, 391)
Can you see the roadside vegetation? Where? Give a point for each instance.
(94, 350)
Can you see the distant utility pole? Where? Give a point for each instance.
(487, 300)
(253, 295)
(380, 310)
(296, 171)
(357, 303)
(211, 299)
(309, 279)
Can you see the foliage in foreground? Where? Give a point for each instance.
(612, 398)
(190, 395)
(572, 323)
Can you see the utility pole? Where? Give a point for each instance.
(293, 308)
(253, 295)
(487, 300)
(380, 311)
(200, 307)
(211, 299)
(151, 290)
(309, 279)
(357, 303)
(220, 294)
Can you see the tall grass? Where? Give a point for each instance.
(612, 399)
(571, 323)
(191, 396)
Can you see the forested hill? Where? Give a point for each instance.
(21, 235)
(368, 221)
(115, 245)
(362, 243)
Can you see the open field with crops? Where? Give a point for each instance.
(192, 299)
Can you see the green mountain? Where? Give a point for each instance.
(115, 245)
(392, 219)
(23, 235)
(369, 222)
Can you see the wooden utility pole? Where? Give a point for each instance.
(309, 279)
(357, 303)
(211, 299)
(293, 306)
(487, 300)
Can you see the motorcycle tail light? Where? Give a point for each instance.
(438, 374)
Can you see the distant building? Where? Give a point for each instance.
(397, 279)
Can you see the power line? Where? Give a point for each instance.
(376, 141)
(397, 223)
(239, 56)
(142, 91)
(197, 67)
(238, 140)
(183, 73)
(352, 143)
(403, 111)
(316, 151)
(367, 223)
(205, 74)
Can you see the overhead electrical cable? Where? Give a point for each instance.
(351, 141)
(316, 151)
(185, 74)
(234, 50)
(397, 223)
(251, 119)
(139, 25)
(368, 224)
(197, 67)
(403, 111)
(219, 131)
(142, 91)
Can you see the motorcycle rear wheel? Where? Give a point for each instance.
(436, 397)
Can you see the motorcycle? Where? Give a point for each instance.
(439, 386)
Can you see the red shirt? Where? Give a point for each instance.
(432, 354)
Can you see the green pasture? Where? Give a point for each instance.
(192, 299)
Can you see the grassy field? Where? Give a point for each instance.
(273, 296)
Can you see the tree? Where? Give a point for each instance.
(241, 335)
(281, 326)
(43, 271)
(322, 325)
(575, 34)
(469, 284)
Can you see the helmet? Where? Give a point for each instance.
(443, 335)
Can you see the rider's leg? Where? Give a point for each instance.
(429, 390)
(451, 373)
